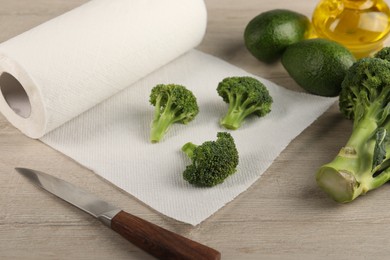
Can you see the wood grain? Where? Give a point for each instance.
(284, 215)
(160, 242)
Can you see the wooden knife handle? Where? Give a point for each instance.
(160, 242)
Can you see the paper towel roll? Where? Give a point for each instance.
(60, 69)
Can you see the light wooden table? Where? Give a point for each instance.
(284, 215)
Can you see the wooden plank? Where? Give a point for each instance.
(282, 216)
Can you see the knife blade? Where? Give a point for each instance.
(153, 239)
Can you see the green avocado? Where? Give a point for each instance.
(318, 65)
(267, 35)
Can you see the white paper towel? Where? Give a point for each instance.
(77, 60)
(73, 67)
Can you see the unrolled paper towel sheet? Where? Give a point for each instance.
(88, 75)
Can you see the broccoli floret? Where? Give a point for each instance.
(245, 96)
(173, 104)
(383, 54)
(363, 163)
(212, 161)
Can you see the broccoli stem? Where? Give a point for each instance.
(351, 173)
(161, 123)
(159, 128)
(233, 120)
(188, 149)
(238, 111)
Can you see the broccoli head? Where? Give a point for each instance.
(245, 96)
(173, 104)
(383, 54)
(363, 163)
(212, 161)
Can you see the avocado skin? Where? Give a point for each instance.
(268, 34)
(318, 65)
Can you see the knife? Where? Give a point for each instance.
(153, 239)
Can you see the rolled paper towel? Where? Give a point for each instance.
(56, 71)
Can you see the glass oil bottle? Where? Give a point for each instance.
(360, 25)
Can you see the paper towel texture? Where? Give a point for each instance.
(75, 61)
(112, 138)
(88, 75)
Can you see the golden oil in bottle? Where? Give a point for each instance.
(360, 25)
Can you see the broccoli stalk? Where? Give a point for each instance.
(245, 96)
(189, 149)
(363, 163)
(173, 104)
(212, 161)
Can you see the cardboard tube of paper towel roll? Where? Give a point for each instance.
(59, 69)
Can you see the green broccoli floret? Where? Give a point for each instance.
(173, 104)
(245, 96)
(363, 163)
(212, 161)
(383, 54)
